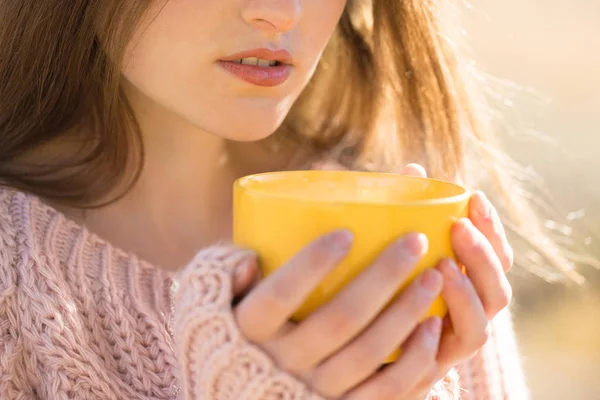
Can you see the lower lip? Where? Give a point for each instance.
(260, 76)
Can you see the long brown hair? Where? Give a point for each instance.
(390, 89)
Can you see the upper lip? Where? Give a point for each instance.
(282, 56)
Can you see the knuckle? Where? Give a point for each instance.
(252, 316)
(360, 355)
(432, 374)
(389, 389)
(244, 316)
(508, 259)
(494, 217)
(485, 335)
(500, 301)
(291, 360)
(505, 297)
(340, 320)
(325, 384)
(482, 338)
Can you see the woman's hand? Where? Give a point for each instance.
(481, 245)
(474, 299)
(338, 350)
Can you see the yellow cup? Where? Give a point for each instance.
(278, 213)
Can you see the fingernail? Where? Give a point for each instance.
(462, 228)
(244, 266)
(342, 239)
(485, 206)
(463, 222)
(241, 268)
(434, 326)
(451, 270)
(431, 280)
(416, 244)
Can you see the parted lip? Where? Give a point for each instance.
(281, 56)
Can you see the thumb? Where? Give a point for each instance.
(414, 170)
(245, 274)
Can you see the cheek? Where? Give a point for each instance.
(169, 61)
(166, 43)
(319, 21)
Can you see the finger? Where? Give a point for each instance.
(244, 275)
(365, 355)
(267, 308)
(337, 322)
(469, 321)
(485, 218)
(414, 170)
(415, 364)
(483, 266)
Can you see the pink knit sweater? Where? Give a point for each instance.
(82, 319)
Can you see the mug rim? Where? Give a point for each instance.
(244, 182)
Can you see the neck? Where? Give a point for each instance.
(182, 200)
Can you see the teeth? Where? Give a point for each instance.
(265, 63)
(257, 61)
(250, 61)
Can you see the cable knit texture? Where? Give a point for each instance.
(82, 319)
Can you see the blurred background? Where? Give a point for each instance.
(551, 50)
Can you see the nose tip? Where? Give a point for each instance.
(273, 16)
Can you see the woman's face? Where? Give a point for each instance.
(186, 57)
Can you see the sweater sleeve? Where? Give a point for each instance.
(15, 377)
(217, 362)
(495, 372)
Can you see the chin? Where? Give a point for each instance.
(245, 132)
(249, 125)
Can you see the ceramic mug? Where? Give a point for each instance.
(278, 213)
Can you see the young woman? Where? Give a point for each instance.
(122, 127)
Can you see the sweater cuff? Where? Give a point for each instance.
(217, 362)
(447, 388)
